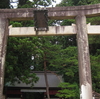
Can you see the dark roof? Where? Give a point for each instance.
(53, 81)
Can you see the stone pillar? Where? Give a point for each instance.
(3, 41)
(83, 58)
(3, 97)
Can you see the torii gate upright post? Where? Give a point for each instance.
(3, 42)
(83, 58)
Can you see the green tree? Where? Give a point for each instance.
(68, 91)
(18, 60)
(22, 2)
(4, 4)
(95, 71)
(54, 57)
(78, 2)
(36, 3)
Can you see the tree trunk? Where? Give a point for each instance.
(46, 79)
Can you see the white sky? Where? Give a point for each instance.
(57, 2)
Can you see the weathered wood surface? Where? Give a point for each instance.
(83, 58)
(53, 30)
(3, 39)
(53, 13)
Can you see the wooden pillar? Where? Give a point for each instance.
(3, 41)
(83, 58)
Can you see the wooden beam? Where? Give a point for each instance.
(57, 13)
(53, 30)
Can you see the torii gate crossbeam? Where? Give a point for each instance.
(57, 13)
(79, 13)
(53, 31)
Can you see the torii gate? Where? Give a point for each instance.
(79, 13)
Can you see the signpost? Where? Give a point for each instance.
(41, 20)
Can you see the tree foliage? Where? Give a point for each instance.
(36, 3)
(78, 2)
(4, 4)
(68, 91)
(18, 60)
